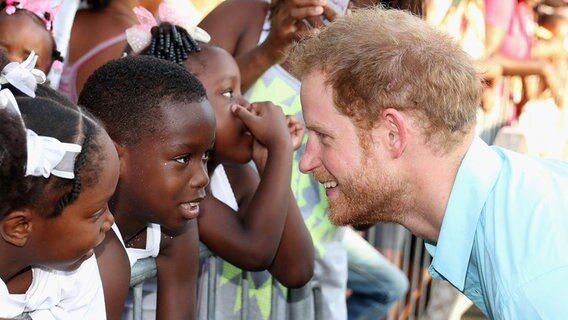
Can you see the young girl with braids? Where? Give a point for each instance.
(26, 26)
(251, 221)
(58, 168)
(163, 127)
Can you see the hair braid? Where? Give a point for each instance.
(171, 43)
(80, 161)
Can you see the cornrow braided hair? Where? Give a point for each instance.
(80, 161)
(171, 43)
(50, 118)
(13, 186)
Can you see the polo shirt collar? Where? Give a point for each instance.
(475, 179)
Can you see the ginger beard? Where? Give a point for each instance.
(366, 196)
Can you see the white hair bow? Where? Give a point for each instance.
(23, 76)
(45, 155)
(140, 37)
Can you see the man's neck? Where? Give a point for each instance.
(435, 178)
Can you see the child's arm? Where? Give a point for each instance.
(236, 25)
(114, 269)
(178, 265)
(250, 239)
(293, 264)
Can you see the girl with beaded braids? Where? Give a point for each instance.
(58, 168)
(26, 26)
(250, 220)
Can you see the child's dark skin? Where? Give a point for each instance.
(21, 33)
(160, 176)
(267, 232)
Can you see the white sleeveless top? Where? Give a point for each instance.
(58, 295)
(221, 188)
(152, 249)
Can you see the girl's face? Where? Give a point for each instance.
(219, 73)
(65, 241)
(20, 34)
(164, 175)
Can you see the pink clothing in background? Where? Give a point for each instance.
(513, 17)
(68, 81)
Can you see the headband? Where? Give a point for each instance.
(41, 8)
(140, 37)
(45, 155)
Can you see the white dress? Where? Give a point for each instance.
(58, 295)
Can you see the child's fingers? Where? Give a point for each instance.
(245, 115)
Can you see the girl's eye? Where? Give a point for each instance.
(100, 213)
(182, 159)
(228, 93)
(206, 156)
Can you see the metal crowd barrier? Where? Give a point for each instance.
(304, 303)
(409, 253)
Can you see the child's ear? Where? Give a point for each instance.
(16, 227)
(122, 157)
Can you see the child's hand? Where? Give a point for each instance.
(267, 124)
(288, 24)
(296, 129)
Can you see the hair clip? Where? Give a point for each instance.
(139, 36)
(41, 8)
(45, 155)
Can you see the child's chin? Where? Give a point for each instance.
(174, 231)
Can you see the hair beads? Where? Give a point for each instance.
(171, 43)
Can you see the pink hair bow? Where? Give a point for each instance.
(41, 8)
(139, 36)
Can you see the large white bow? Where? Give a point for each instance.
(46, 155)
(23, 76)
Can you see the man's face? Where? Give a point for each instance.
(359, 185)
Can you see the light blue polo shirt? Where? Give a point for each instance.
(504, 236)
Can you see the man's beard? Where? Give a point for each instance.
(363, 199)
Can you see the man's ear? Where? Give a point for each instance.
(17, 226)
(396, 127)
